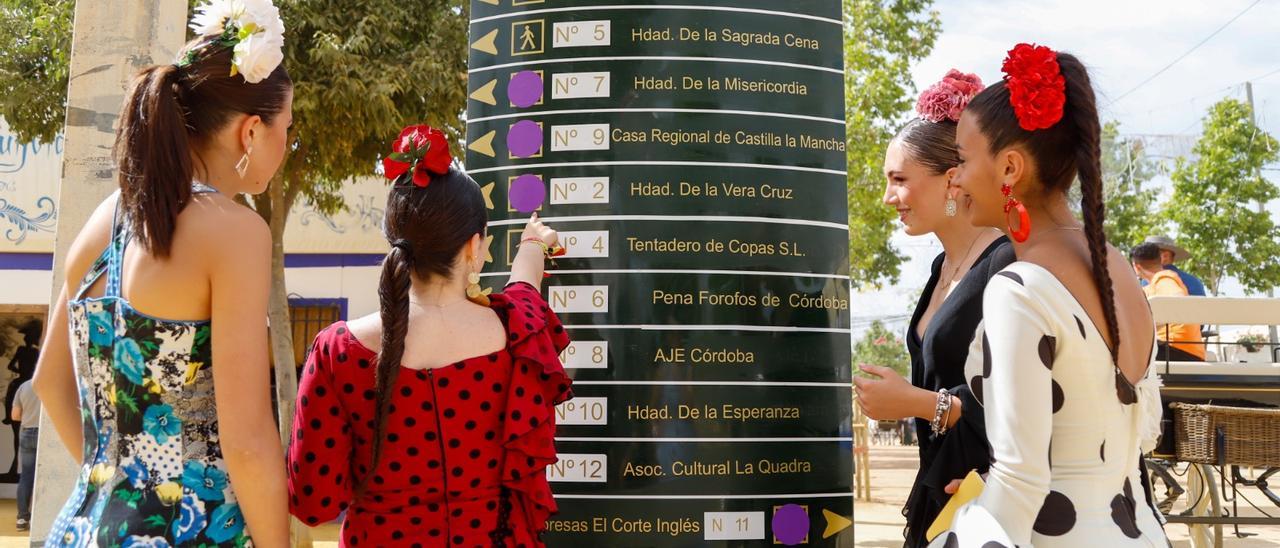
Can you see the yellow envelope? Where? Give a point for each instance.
(970, 488)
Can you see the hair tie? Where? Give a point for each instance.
(403, 246)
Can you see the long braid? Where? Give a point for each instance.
(393, 294)
(1084, 115)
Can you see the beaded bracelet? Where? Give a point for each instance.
(941, 413)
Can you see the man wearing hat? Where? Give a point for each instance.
(1170, 253)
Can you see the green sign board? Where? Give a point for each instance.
(692, 156)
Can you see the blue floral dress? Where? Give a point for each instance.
(153, 473)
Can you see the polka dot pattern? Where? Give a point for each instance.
(467, 444)
(1058, 398)
(1057, 515)
(1124, 512)
(1012, 276)
(1048, 350)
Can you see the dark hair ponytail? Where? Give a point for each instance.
(1067, 150)
(154, 157)
(427, 228)
(1082, 112)
(393, 298)
(167, 111)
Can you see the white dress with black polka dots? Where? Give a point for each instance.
(1066, 428)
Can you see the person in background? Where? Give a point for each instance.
(26, 408)
(1178, 342)
(1171, 253)
(23, 365)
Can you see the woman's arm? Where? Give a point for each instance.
(55, 377)
(240, 282)
(1018, 404)
(320, 482)
(530, 258)
(891, 397)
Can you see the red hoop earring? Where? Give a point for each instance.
(1024, 221)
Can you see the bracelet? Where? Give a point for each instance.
(546, 250)
(941, 412)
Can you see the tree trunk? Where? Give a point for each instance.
(285, 372)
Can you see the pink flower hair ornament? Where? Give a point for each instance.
(945, 100)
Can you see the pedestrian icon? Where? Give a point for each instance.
(526, 37)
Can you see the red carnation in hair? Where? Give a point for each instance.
(1037, 90)
(946, 99)
(422, 148)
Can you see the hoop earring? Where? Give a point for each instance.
(243, 165)
(474, 293)
(1024, 220)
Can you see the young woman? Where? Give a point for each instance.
(920, 165)
(1061, 360)
(432, 423)
(160, 386)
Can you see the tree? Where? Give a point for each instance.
(1131, 214)
(881, 347)
(882, 39)
(1218, 197)
(35, 36)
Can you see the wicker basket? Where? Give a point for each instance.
(1244, 436)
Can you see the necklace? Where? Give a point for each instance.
(956, 271)
(436, 306)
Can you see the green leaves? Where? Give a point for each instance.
(881, 347)
(35, 36)
(1216, 197)
(1131, 213)
(882, 40)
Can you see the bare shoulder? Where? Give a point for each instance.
(368, 330)
(222, 224)
(92, 239)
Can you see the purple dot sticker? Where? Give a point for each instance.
(790, 524)
(527, 193)
(525, 89)
(524, 139)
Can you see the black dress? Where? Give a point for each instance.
(937, 362)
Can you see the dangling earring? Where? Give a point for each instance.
(474, 293)
(243, 165)
(1024, 221)
(950, 208)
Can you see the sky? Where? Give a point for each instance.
(1123, 43)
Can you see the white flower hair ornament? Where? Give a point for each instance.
(251, 28)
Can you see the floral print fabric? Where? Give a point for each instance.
(153, 473)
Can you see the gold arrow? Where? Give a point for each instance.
(488, 241)
(484, 93)
(490, 2)
(488, 195)
(835, 523)
(484, 145)
(487, 43)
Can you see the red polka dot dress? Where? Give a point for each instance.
(467, 445)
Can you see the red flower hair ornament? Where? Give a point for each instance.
(945, 100)
(420, 148)
(1037, 90)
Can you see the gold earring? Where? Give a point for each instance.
(243, 165)
(474, 293)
